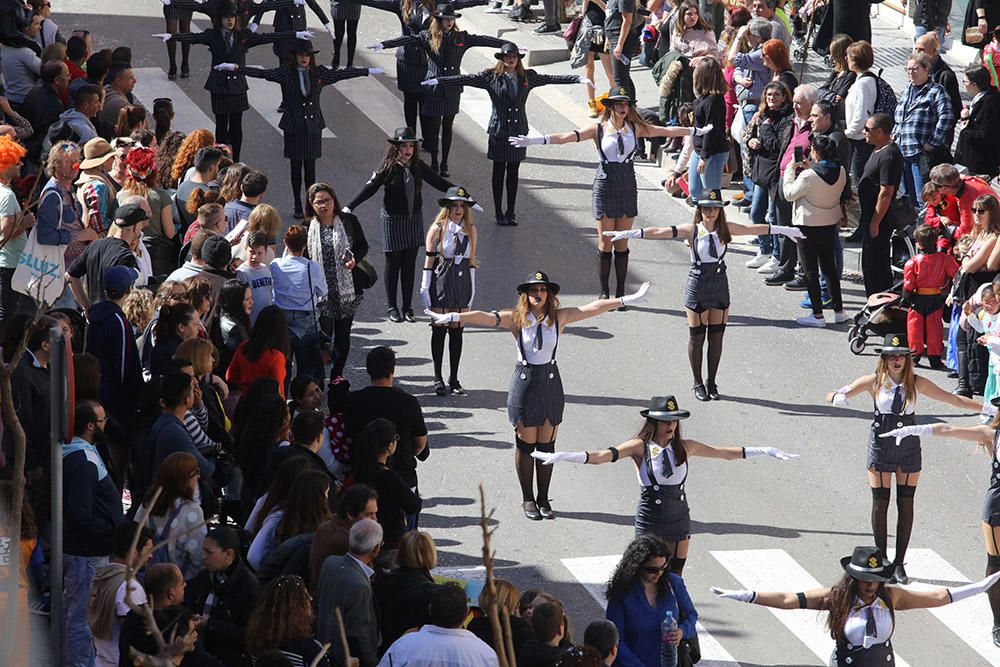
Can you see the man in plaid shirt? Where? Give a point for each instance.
(924, 120)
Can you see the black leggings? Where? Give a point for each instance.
(499, 169)
(298, 166)
(400, 266)
(432, 126)
(338, 39)
(175, 26)
(412, 103)
(229, 130)
(341, 343)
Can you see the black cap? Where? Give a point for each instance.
(217, 252)
(664, 408)
(895, 343)
(868, 564)
(508, 48)
(538, 278)
(130, 215)
(404, 135)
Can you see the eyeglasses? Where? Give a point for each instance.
(867, 129)
(650, 569)
(913, 69)
(979, 210)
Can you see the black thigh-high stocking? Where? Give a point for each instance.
(352, 41)
(904, 519)
(342, 344)
(544, 474)
(437, 349)
(432, 127)
(696, 346)
(446, 130)
(296, 177)
(604, 271)
(407, 274)
(229, 130)
(992, 566)
(715, 335)
(172, 45)
(222, 128)
(411, 107)
(880, 513)
(309, 167)
(454, 353)
(524, 464)
(512, 169)
(499, 168)
(339, 27)
(392, 263)
(621, 271)
(185, 26)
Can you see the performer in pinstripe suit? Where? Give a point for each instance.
(445, 45)
(508, 85)
(535, 400)
(302, 120)
(294, 18)
(400, 177)
(229, 43)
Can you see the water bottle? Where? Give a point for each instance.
(668, 652)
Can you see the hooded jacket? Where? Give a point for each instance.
(815, 193)
(80, 124)
(92, 504)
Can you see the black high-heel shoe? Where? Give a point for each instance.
(713, 391)
(701, 393)
(439, 388)
(545, 509)
(185, 72)
(531, 510)
(172, 73)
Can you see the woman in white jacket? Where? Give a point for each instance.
(859, 104)
(814, 186)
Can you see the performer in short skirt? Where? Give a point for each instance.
(508, 85)
(988, 437)
(895, 388)
(400, 176)
(449, 282)
(445, 44)
(302, 121)
(661, 458)
(293, 17)
(615, 198)
(228, 42)
(706, 297)
(861, 607)
(535, 400)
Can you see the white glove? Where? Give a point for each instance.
(429, 82)
(701, 131)
(425, 288)
(303, 34)
(472, 277)
(225, 67)
(372, 71)
(329, 28)
(626, 234)
(967, 591)
(585, 81)
(636, 297)
(377, 46)
(790, 232)
(441, 318)
(904, 431)
(299, 3)
(253, 26)
(549, 459)
(345, 210)
(840, 397)
(477, 208)
(166, 3)
(738, 595)
(773, 452)
(525, 140)
(165, 36)
(989, 410)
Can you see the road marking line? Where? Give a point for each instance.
(152, 82)
(594, 571)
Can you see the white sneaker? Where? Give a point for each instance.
(811, 321)
(758, 261)
(771, 266)
(840, 316)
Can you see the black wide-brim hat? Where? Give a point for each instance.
(508, 48)
(664, 409)
(894, 344)
(456, 193)
(446, 11)
(304, 46)
(538, 278)
(617, 94)
(868, 564)
(404, 135)
(712, 199)
(227, 9)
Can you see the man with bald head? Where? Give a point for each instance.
(941, 73)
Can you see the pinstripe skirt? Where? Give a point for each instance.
(227, 103)
(306, 146)
(345, 11)
(615, 191)
(401, 232)
(442, 101)
(451, 285)
(707, 287)
(499, 150)
(535, 395)
(663, 511)
(409, 75)
(884, 454)
(991, 506)
(172, 13)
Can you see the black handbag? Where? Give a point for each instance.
(364, 274)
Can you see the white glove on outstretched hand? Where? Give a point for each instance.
(636, 297)
(740, 595)
(585, 81)
(328, 27)
(377, 46)
(425, 288)
(790, 232)
(303, 34)
(166, 3)
(967, 591)
(840, 397)
(702, 131)
(429, 82)
(525, 140)
(165, 36)
(625, 234)
(549, 459)
(773, 452)
(441, 318)
(372, 71)
(225, 67)
(253, 26)
(904, 431)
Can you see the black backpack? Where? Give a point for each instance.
(885, 96)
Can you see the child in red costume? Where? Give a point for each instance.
(941, 212)
(924, 278)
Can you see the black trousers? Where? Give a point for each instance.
(342, 344)
(551, 12)
(876, 254)
(400, 266)
(818, 251)
(861, 150)
(789, 252)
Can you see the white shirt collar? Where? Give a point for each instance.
(34, 360)
(364, 568)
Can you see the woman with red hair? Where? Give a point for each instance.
(776, 59)
(13, 226)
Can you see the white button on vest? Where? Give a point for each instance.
(899, 423)
(656, 487)
(659, 502)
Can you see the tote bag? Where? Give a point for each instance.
(40, 271)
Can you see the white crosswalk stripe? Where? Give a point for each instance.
(593, 572)
(152, 82)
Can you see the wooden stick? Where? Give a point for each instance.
(343, 636)
(492, 612)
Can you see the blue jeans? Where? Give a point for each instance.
(758, 216)
(838, 262)
(78, 643)
(919, 30)
(711, 179)
(302, 323)
(913, 182)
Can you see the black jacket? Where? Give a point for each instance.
(710, 109)
(229, 83)
(508, 118)
(932, 14)
(246, 10)
(766, 158)
(992, 11)
(302, 113)
(110, 339)
(404, 596)
(41, 107)
(416, 23)
(394, 194)
(235, 600)
(92, 507)
(943, 74)
(520, 631)
(837, 85)
(448, 60)
(979, 142)
(30, 387)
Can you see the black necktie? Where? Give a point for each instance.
(870, 628)
(621, 145)
(713, 251)
(666, 470)
(897, 401)
(537, 345)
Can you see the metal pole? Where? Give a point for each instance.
(58, 392)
